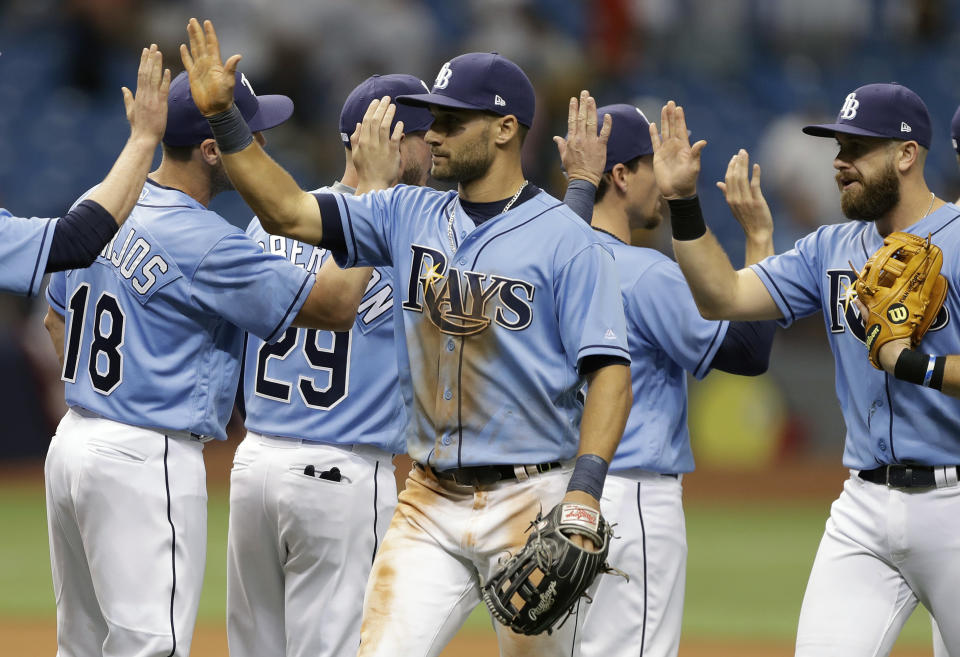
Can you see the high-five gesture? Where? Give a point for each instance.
(676, 163)
(211, 80)
(584, 152)
(747, 203)
(147, 110)
(376, 152)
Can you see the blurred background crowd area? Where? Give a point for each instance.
(749, 74)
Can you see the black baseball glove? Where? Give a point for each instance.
(538, 586)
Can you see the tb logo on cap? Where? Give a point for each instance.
(443, 77)
(850, 106)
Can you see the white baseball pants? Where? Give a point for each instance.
(127, 520)
(300, 548)
(641, 616)
(444, 541)
(884, 550)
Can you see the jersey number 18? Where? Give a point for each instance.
(105, 365)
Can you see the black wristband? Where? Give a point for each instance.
(911, 366)
(230, 130)
(589, 474)
(686, 219)
(936, 381)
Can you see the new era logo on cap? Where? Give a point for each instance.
(497, 100)
(889, 111)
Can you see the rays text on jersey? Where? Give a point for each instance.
(465, 302)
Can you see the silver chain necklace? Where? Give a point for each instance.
(506, 208)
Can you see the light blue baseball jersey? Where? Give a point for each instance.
(667, 338)
(323, 386)
(24, 248)
(888, 421)
(154, 327)
(492, 326)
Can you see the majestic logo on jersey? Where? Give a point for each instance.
(850, 107)
(443, 77)
(465, 303)
(844, 315)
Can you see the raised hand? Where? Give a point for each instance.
(745, 198)
(584, 152)
(211, 81)
(376, 151)
(676, 164)
(147, 111)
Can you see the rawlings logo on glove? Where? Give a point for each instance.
(538, 586)
(903, 290)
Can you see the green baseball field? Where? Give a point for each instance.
(751, 545)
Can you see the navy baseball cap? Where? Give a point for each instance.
(630, 135)
(415, 119)
(186, 126)
(480, 81)
(891, 111)
(955, 130)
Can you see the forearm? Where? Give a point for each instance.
(928, 370)
(55, 325)
(336, 294)
(580, 197)
(758, 247)
(274, 196)
(119, 191)
(605, 411)
(708, 271)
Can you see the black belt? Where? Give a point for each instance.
(484, 475)
(905, 476)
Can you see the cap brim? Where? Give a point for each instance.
(830, 129)
(273, 110)
(423, 100)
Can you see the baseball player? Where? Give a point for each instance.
(150, 337)
(324, 419)
(31, 247)
(668, 338)
(508, 303)
(889, 542)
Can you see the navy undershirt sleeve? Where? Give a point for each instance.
(80, 236)
(745, 349)
(580, 197)
(595, 362)
(333, 239)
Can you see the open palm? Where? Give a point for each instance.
(676, 164)
(211, 80)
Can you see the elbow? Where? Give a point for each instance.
(709, 312)
(343, 320)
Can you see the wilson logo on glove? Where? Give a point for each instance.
(903, 290)
(898, 313)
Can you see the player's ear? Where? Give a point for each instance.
(618, 176)
(508, 129)
(908, 153)
(209, 152)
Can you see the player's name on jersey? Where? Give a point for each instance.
(300, 254)
(138, 261)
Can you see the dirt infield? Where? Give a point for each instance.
(36, 639)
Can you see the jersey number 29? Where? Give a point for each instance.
(105, 365)
(334, 360)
